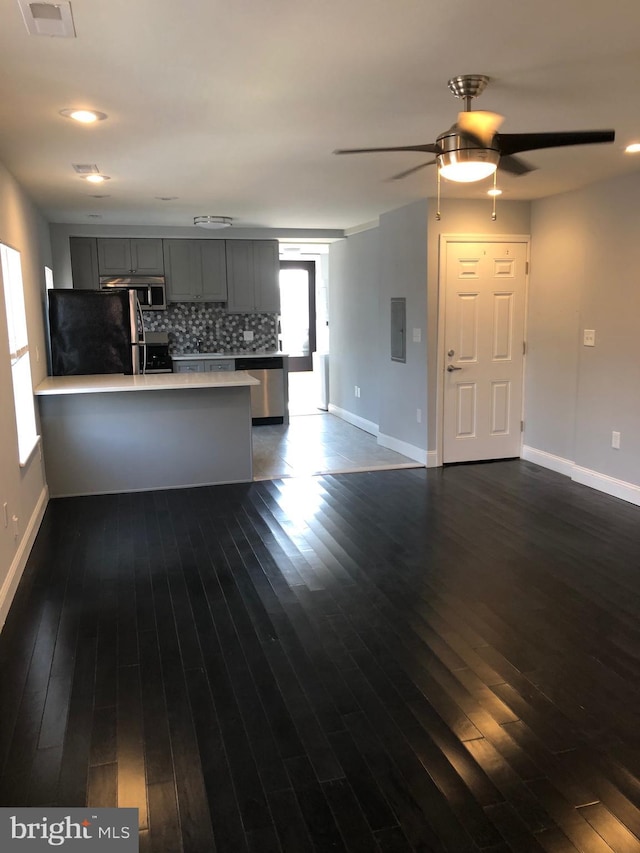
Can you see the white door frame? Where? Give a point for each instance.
(445, 239)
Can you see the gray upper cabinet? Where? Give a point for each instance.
(253, 276)
(214, 270)
(123, 256)
(266, 264)
(84, 262)
(195, 270)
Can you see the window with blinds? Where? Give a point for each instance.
(11, 271)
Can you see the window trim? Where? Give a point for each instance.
(18, 350)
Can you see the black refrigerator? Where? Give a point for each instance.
(95, 331)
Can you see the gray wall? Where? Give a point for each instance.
(22, 489)
(354, 284)
(585, 276)
(403, 268)
(557, 273)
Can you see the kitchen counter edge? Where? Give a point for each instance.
(116, 382)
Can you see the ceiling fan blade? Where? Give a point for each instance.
(514, 143)
(514, 165)
(411, 171)
(480, 123)
(429, 147)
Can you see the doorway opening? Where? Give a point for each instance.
(297, 334)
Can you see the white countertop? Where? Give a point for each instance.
(200, 356)
(115, 382)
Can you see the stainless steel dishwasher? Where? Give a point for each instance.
(268, 400)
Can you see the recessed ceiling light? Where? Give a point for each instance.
(634, 148)
(83, 116)
(96, 179)
(494, 191)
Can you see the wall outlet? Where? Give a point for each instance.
(356, 390)
(615, 440)
(247, 335)
(589, 337)
(417, 336)
(419, 415)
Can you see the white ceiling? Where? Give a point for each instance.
(235, 107)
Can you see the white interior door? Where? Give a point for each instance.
(485, 290)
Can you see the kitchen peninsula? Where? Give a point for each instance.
(114, 433)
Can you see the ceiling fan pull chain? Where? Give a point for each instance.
(438, 205)
(494, 196)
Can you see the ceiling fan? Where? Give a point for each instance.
(472, 149)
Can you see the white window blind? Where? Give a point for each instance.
(19, 352)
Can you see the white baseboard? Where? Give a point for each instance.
(432, 459)
(585, 476)
(410, 450)
(548, 460)
(356, 420)
(610, 485)
(415, 453)
(19, 563)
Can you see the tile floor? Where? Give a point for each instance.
(316, 442)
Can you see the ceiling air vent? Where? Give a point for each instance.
(86, 169)
(48, 19)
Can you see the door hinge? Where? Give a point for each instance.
(526, 267)
(521, 426)
(524, 347)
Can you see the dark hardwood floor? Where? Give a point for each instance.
(442, 660)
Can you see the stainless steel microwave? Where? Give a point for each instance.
(150, 289)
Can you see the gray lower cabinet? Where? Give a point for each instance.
(204, 365)
(219, 365)
(191, 366)
(124, 255)
(253, 276)
(195, 270)
(84, 262)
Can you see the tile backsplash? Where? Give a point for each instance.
(207, 327)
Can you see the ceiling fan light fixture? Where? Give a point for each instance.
(461, 160)
(634, 148)
(212, 222)
(468, 165)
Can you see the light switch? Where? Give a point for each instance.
(247, 335)
(417, 336)
(589, 339)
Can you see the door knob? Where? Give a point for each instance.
(452, 367)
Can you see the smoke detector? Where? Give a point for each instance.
(48, 19)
